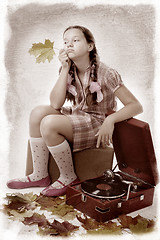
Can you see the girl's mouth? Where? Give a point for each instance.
(70, 50)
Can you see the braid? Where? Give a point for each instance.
(92, 97)
(69, 96)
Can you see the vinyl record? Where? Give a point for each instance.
(103, 188)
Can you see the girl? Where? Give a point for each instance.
(92, 87)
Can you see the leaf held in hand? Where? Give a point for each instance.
(42, 52)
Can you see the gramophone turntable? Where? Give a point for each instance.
(131, 187)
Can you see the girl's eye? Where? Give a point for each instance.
(76, 40)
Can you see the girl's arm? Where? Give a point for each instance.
(131, 108)
(58, 93)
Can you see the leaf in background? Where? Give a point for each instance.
(143, 225)
(20, 216)
(88, 223)
(27, 197)
(62, 210)
(36, 218)
(137, 224)
(63, 228)
(20, 208)
(94, 227)
(57, 206)
(58, 228)
(47, 203)
(106, 230)
(125, 220)
(42, 52)
(20, 202)
(47, 231)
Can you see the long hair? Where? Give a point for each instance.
(93, 55)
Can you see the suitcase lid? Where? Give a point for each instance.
(134, 150)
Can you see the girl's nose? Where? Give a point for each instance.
(70, 44)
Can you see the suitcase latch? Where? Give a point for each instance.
(141, 197)
(119, 205)
(83, 198)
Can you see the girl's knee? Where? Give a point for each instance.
(48, 126)
(54, 126)
(36, 114)
(39, 112)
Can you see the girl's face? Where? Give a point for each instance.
(75, 44)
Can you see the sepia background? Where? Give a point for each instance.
(125, 39)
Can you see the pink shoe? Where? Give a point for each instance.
(17, 184)
(53, 192)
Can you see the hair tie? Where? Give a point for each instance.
(95, 87)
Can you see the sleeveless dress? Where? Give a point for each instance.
(86, 120)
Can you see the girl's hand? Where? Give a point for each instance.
(64, 59)
(105, 133)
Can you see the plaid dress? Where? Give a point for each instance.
(86, 120)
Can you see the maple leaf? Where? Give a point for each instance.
(105, 231)
(88, 223)
(42, 52)
(63, 228)
(137, 224)
(47, 231)
(57, 206)
(19, 203)
(143, 225)
(27, 197)
(47, 203)
(125, 220)
(57, 228)
(94, 227)
(20, 216)
(62, 210)
(36, 219)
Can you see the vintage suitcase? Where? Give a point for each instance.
(135, 180)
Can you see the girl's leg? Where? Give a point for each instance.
(39, 150)
(36, 117)
(56, 130)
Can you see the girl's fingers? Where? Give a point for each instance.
(103, 141)
(97, 134)
(111, 141)
(98, 142)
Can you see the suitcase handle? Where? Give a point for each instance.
(98, 209)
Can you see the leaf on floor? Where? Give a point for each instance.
(94, 227)
(36, 218)
(19, 204)
(20, 216)
(57, 228)
(22, 207)
(57, 206)
(137, 224)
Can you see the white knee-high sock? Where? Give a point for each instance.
(63, 157)
(40, 154)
